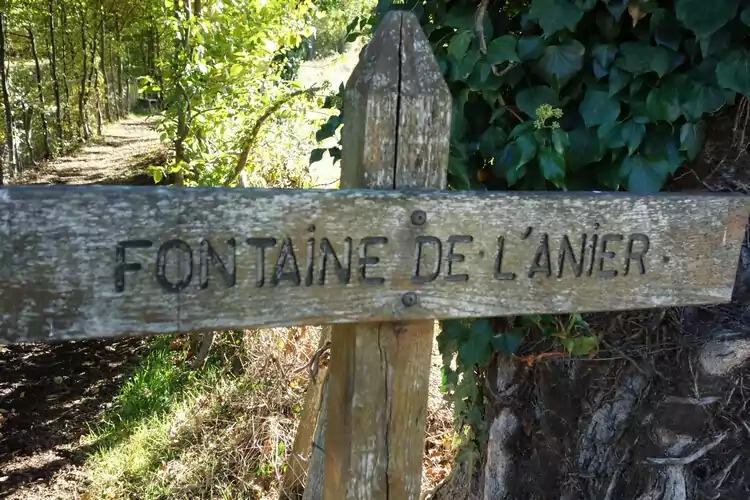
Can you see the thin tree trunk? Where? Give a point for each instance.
(82, 118)
(27, 115)
(103, 66)
(53, 67)
(6, 99)
(121, 110)
(93, 78)
(64, 57)
(40, 90)
(181, 49)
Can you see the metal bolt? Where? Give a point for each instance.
(409, 299)
(418, 217)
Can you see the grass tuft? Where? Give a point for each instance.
(220, 432)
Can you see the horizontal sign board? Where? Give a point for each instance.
(96, 261)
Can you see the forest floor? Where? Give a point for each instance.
(51, 393)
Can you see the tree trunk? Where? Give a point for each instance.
(65, 41)
(103, 67)
(83, 123)
(94, 84)
(53, 67)
(182, 48)
(10, 143)
(659, 413)
(121, 110)
(40, 91)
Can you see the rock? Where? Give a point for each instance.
(58, 380)
(719, 358)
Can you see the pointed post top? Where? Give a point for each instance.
(396, 112)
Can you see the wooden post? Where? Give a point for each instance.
(396, 135)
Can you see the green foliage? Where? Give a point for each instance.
(225, 67)
(469, 346)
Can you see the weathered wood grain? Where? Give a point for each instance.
(58, 256)
(397, 109)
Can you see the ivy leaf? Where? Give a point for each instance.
(663, 104)
(477, 348)
(527, 146)
(640, 57)
(699, 99)
(317, 154)
(502, 49)
(515, 174)
(508, 159)
(632, 134)
(459, 44)
(618, 80)
(598, 108)
(452, 333)
(553, 166)
(529, 99)
(604, 54)
(507, 343)
(530, 47)
(610, 135)
(584, 148)
(733, 72)
(329, 128)
(561, 62)
(462, 69)
(704, 18)
(554, 15)
(560, 140)
(645, 176)
(666, 30)
(691, 138)
(580, 345)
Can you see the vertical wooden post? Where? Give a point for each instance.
(396, 135)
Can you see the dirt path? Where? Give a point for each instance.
(51, 393)
(120, 156)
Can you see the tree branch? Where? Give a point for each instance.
(253, 135)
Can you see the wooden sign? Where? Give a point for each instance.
(82, 262)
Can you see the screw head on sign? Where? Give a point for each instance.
(418, 217)
(409, 299)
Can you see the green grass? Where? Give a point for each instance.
(133, 437)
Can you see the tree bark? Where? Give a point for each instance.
(40, 91)
(53, 67)
(10, 143)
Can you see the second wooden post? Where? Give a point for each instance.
(396, 135)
